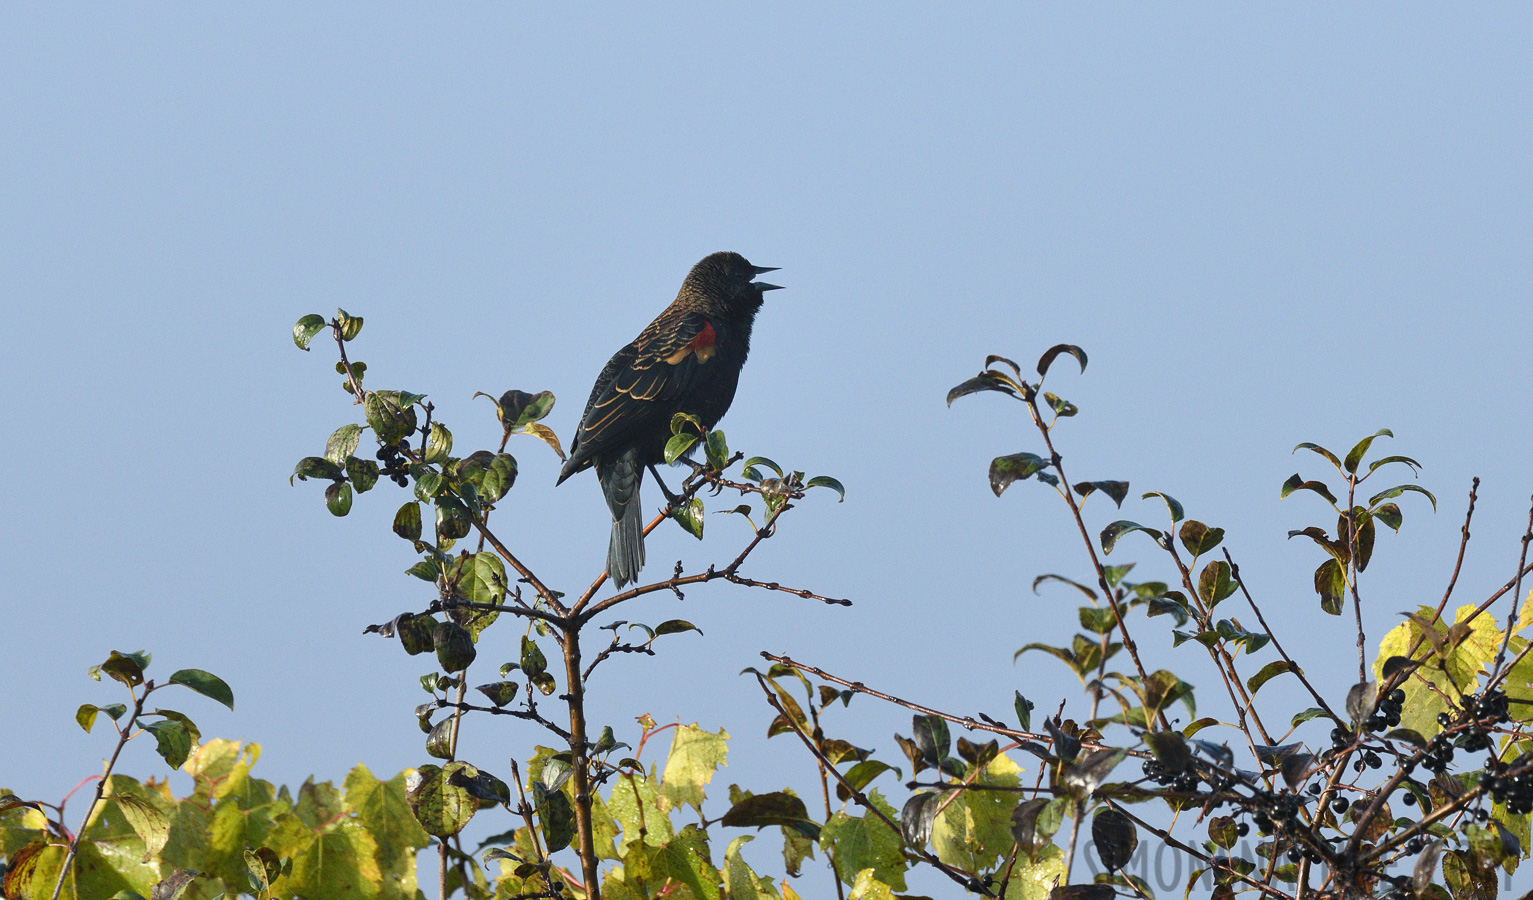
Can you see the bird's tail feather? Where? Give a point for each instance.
(620, 484)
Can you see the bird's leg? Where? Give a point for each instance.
(671, 498)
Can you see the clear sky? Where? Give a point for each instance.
(1265, 224)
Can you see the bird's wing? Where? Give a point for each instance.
(662, 364)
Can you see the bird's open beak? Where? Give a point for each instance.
(762, 270)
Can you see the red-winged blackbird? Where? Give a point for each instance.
(687, 360)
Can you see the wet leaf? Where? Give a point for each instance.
(1115, 838)
(306, 328)
(917, 817)
(1083, 778)
(338, 499)
(407, 522)
(689, 516)
(454, 646)
(442, 808)
(316, 467)
(1118, 529)
(438, 444)
(1004, 470)
(343, 443)
(717, 450)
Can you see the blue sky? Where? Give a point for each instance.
(1266, 225)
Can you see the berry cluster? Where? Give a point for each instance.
(1186, 781)
(1516, 791)
(394, 463)
(1388, 713)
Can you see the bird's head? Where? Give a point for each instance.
(725, 283)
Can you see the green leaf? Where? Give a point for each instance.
(866, 842)
(441, 807)
(556, 819)
(124, 668)
(1024, 710)
(1118, 529)
(533, 660)
(174, 742)
(428, 483)
(1215, 584)
(351, 326)
(1296, 483)
(381, 807)
(425, 570)
(316, 467)
(1268, 672)
(1199, 538)
(779, 808)
(389, 415)
(1062, 408)
(1355, 456)
(1314, 712)
(1397, 490)
(343, 443)
(985, 381)
(1172, 505)
(1018, 466)
(85, 716)
(694, 756)
(1331, 585)
(363, 474)
(338, 498)
(307, 327)
(678, 445)
(407, 522)
(1049, 355)
(717, 450)
(1389, 514)
(690, 516)
(454, 646)
(762, 461)
(452, 521)
(827, 481)
(500, 692)
(1117, 490)
(974, 831)
(519, 408)
(147, 821)
(206, 684)
(1320, 450)
(438, 444)
(491, 474)
(861, 775)
(675, 626)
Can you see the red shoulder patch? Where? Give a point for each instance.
(705, 339)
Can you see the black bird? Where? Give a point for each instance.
(687, 360)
